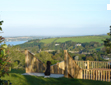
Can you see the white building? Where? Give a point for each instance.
(56, 44)
(78, 44)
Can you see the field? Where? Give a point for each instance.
(17, 79)
(81, 39)
(97, 48)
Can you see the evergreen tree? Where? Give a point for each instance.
(107, 43)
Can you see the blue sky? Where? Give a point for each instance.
(54, 17)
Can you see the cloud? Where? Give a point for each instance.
(109, 6)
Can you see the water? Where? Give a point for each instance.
(15, 42)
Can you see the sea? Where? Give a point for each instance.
(14, 42)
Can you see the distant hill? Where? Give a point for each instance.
(26, 38)
(95, 38)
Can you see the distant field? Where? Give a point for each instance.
(48, 40)
(76, 39)
(96, 48)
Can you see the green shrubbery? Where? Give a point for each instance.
(4, 61)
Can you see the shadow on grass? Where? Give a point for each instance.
(34, 80)
(19, 71)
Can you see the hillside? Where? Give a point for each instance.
(18, 58)
(76, 39)
(88, 42)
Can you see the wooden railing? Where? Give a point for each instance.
(93, 64)
(58, 68)
(71, 68)
(93, 70)
(34, 65)
(96, 74)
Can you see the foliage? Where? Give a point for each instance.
(4, 60)
(90, 58)
(17, 57)
(107, 43)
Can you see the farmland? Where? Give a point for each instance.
(81, 39)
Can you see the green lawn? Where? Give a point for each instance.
(17, 79)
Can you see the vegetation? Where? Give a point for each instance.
(4, 60)
(18, 79)
(81, 39)
(107, 43)
(57, 55)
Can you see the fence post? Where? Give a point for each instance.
(80, 74)
(57, 68)
(87, 64)
(26, 61)
(66, 63)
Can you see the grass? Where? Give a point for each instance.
(48, 40)
(17, 79)
(81, 39)
(95, 49)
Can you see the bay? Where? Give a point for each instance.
(15, 42)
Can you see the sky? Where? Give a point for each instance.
(55, 17)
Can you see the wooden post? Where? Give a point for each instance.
(66, 63)
(101, 75)
(26, 62)
(57, 68)
(37, 65)
(106, 75)
(73, 69)
(80, 74)
(109, 76)
(91, 74)
(84, 74)
(96, 74)
(87, 65)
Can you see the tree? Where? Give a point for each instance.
(90, 58)
(4, 60)
(107, 43)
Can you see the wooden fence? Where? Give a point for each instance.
(96, 74)
(93, 70)
(58, 68)
(93, 64)
(71, 68)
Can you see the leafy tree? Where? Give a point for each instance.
(4, 60)
(90, 58)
